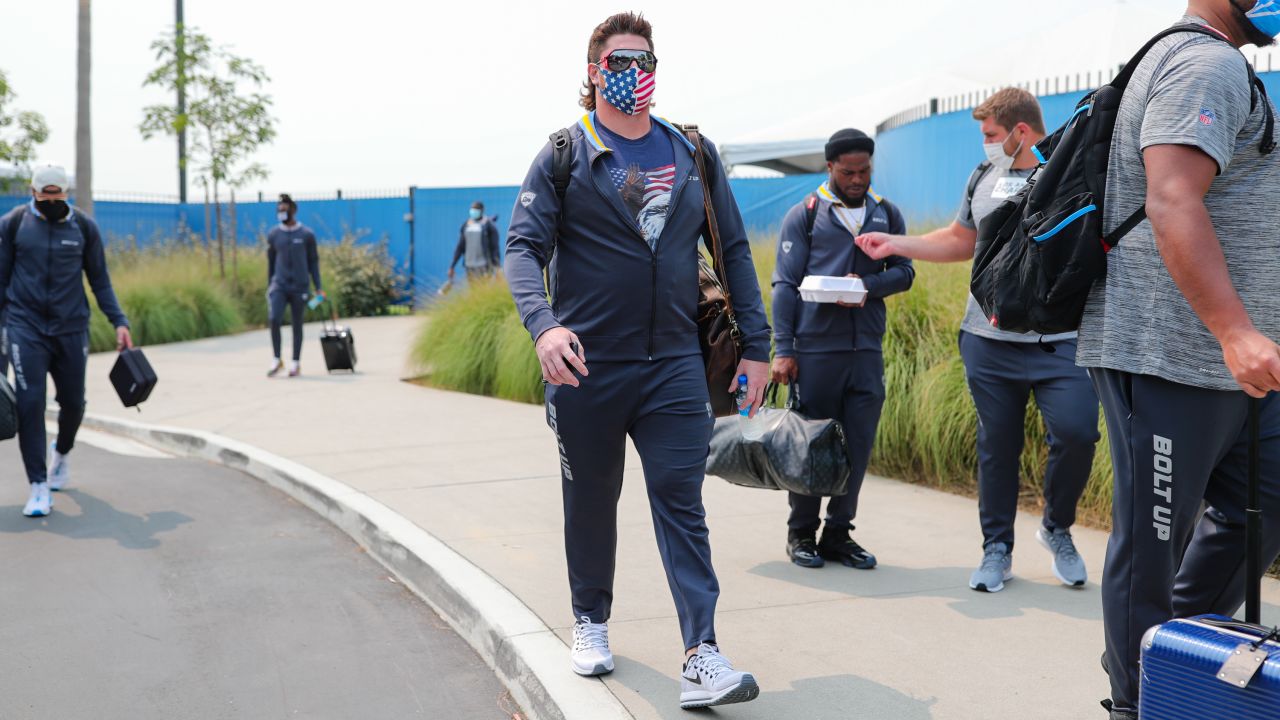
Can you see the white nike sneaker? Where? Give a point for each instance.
(295, 369)
(59, 473)
(708, 679)
(40, 503)
(276, 366)
(591, 655)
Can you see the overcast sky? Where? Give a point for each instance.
(387, 93)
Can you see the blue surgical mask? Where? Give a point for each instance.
(476, 213)
(1265, 16)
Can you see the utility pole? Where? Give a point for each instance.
(180, 44)
(84, 129)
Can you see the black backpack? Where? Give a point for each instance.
(1038, 254)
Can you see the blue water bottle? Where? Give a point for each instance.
(752, 428)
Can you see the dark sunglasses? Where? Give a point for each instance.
(620, 60)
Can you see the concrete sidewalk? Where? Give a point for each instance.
(906, 641)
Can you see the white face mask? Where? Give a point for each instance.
(284, 216)
(997, 157)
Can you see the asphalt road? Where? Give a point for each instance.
(169, 588)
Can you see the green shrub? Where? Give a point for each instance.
(472, 341)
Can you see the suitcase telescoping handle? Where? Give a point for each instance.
(1253, 521)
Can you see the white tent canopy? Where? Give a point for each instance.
(789, 157)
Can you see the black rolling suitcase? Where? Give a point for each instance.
(1211, 667)
(339, 346)
(133, 377)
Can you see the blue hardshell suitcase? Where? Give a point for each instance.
(1210, 668)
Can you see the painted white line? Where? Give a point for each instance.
(524, 653)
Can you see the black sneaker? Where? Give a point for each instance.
(837, 546)
(1117, 713)
(802, 549)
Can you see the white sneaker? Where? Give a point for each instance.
(40, 502)
(708, 679)
(591, 655)
(294, 368)
(276, 366)
(59, 473)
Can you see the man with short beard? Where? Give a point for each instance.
(47, 250)
(833, 351)
(625, 236)
(1184, 328)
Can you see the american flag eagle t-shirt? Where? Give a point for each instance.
(644, 171)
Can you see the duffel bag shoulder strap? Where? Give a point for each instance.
(713, 227)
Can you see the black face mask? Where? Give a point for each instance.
(53, 210)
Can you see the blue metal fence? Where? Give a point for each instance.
(419, 225)
(925, 155)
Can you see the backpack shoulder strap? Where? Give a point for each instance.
(978, 175)
(1121, 81)
(11, 230)
(561, 161)
(810, 214)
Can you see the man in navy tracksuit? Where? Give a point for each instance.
(47, 248)
(832, 352)
(624, 285)
(293, 264)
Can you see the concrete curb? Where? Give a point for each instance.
(526, 655)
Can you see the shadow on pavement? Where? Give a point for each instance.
(97, 520)
(947, 583)
(835, 697)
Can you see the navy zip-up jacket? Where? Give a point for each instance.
(293, 262)
(625, 301)
(42, 273)
(826, 327)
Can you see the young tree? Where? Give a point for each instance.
(20, 133)
(227, 114)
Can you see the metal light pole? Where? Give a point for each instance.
(180, 44)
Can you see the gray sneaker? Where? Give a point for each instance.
(1068, 566)
(996, 568)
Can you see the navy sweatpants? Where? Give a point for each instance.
(297, 302)
(663, 405)
(35, 356)
(1174, 446)
(849, 387)
(1002, 376)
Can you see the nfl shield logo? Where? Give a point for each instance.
(1207, 116)
(786, 246)
(526, 199)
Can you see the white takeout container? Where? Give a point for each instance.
(828, 289)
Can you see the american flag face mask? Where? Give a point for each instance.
(629, 90)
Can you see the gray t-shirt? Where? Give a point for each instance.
(476, 257)
(993, 187)
(1189, 90)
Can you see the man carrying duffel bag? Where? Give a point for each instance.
(835, 349)
(47, 249)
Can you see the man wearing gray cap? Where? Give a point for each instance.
(835, 348)
(1003, 368)
(47, 249)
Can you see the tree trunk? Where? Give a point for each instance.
(84, 132)
(217, 209)
(235, 238)
(208, 252)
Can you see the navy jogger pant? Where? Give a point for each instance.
(35, 356)
(297, 302)
(1174, 446)
(1002, 376)
(849, 387)
(663, 405)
